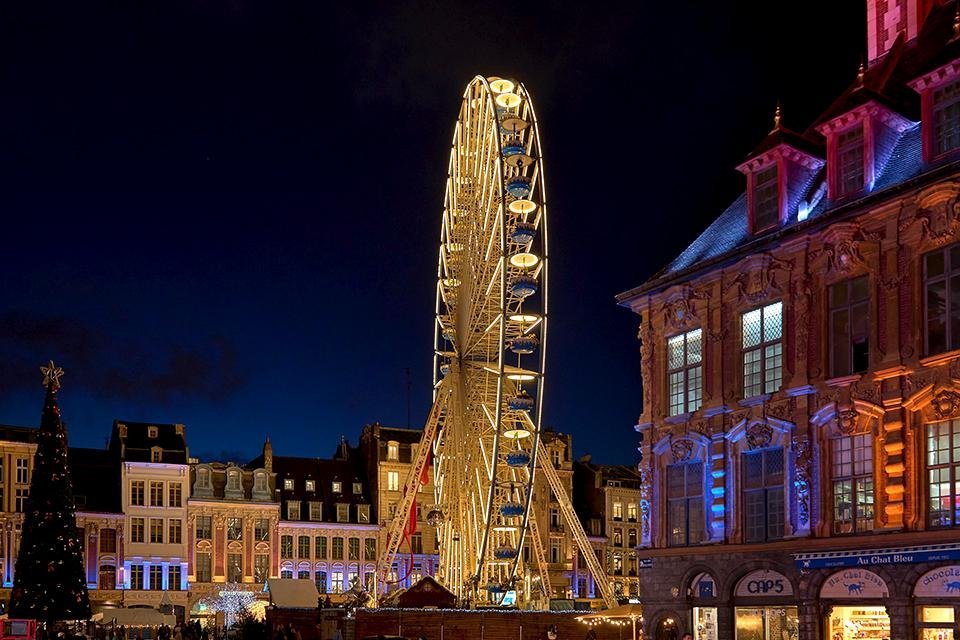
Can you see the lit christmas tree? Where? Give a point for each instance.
(49, 584)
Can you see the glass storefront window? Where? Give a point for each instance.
(937, 623)
(850, 623)
(705, 623)
(767, 623)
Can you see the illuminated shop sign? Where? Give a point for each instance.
(876, 557)
(764, 583)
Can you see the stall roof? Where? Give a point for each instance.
(138, 617)
(288, 593)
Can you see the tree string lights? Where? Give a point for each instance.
(49, 583)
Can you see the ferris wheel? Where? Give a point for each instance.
(491, 326)
(490, 334)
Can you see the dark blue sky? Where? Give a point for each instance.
(226, 213)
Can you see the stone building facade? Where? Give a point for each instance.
(801, 373)
(607, 498)
(233, 515)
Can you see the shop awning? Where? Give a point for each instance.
(287, 593)
(878, 557)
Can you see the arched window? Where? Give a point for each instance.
(107, 578)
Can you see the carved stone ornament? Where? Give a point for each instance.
(759, 277)
(841, 248)
(678, 311)
(945, 403)
(847, 421)
(759, 435)
(938, 217)
(804, 453)
(681, 450)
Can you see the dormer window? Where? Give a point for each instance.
(357, 488)
(337, 486)
(850, 160)
(203, 477)
(311, 485)
(766, 199)
(151, 432)
(259, 481)
(288, 484)
(946, 118)
(393, 451)
(233, 480)
(156, 454)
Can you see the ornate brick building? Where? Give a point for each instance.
(801, 371)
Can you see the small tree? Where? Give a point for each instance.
(49, 584)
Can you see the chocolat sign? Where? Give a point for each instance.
(764, 583)
(939, 583)
(854, 583)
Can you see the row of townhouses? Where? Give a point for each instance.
(164, 529)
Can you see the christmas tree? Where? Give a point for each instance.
(49, 584)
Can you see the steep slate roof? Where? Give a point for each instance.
(885, 82)
(10, 433)
(347, 468)
(96, 480)
(135, 446)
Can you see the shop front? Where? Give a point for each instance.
(765, 607)
(703, 596)
(854, 604)
(936, 596)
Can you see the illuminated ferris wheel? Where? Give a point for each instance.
(491, 326)
(489, 353)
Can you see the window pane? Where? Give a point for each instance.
(840, 341)
(675, 352)
(675, 481)
(753, 470)
(694, 478)
(773, 366)
(934, 263)
(936, 316)
(775, 513)
(751, 373)
(955, 312)
(694, 388)
(772, 321)
(751, 328)
(694, 346)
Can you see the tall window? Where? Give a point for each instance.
(684, 371)
(337, 548)
(286, 546)
(303, 574)
(763, 506)
(156, 494)
(685, 503)
(261, 529)
(618, 511)
(136, 493)
(320, 547)
(136, 577)
(946, 118)
(234, 567)
(175, 533)
(852, 475)
(762, 350)
(21, 498)
(316, 511)
(293, 509)
(136, 530)
(943, 473)
(632, 512)
(173, 577)
(632, 538)
(156, 530)
(233, 480)
(849, 328)
(416, 543)
(336, 582)
(234, 528)
(941, 285)
(393, 451)
(369, 548)
(204, 527)
(320, 579)
(618, 537)
(343, 512)
(393, 480)
(303, 546)
(108, 577)
(203, 567)
(354, 549)
(261, 567)
(766, 199)
(850, 160)
(108, 540)
(175, 495)
(555, 551)
(617, 564)
(156, 577)
(363, 512)
(23, 471)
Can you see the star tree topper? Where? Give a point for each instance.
(51, 375)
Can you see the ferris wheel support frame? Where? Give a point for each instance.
(399, 521)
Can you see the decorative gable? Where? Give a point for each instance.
(778, 174)
(939, 91)
(859, 144)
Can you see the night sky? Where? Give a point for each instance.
(226, 213)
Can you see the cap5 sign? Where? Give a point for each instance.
(764, 583)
